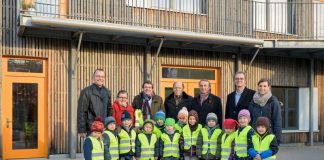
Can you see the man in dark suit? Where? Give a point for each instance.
(240, 98)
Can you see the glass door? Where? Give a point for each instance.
(24, 116)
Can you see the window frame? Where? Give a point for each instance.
(285, 119)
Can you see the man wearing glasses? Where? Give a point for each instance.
(120, 105)
(94, 100)
(240, 98)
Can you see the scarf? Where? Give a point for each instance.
(262, 101)
(203, 97)
(193, 127)
(169, 133)
(146, 107)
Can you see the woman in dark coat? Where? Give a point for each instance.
(264, 104)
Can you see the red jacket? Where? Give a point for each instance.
(118, 111)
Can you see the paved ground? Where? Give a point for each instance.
(285, 153)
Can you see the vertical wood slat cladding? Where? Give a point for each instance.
(319, 83)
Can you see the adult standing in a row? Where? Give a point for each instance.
(264, 104)
(176, 101)
(94, 100)
(148, 101)
(240, 98)
(206, 103)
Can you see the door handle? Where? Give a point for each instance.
(7, 122)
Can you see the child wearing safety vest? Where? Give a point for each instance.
(243, 136)
(126, 138)
(209, 139)
(190, 135)
(110, 139)
(182, 119)
(228, 142)
(93, 147)
(159, 125)
(264, 142)
(147, 146)
(169, 141)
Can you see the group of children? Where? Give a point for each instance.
(186, 139)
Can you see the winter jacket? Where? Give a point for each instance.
(200, 142)
(272, 110)
(249, 142)
(273, 149)
(172, 109)
(232, 110)
(157, 103)
(118, 111)
(138, 146)
(93, 102)
(211, 104)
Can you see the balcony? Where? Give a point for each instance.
(181, 22)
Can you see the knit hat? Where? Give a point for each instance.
(160, 115)
(183, 112)
(126, 116)
(194, 114)
(148, 121)
(263, 121)
(169, 122)
(211, 116)
(245, 113)
(230, 124)
(97, 125)
(109, 120)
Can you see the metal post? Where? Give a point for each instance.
(311, 100)
(238, 62)
(268, 15)
(156, 57)
(72, 99)
(146, 63)
(255, 54)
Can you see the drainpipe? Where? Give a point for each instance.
(311, 100)
(72, 81)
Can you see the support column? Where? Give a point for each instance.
(72, 98)
(238, 62)
(147, 62)
(311, 100)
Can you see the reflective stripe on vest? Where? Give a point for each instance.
(210, 144)
(171, 149)
(190, 138)
(113, 145)
(241, 142)
(261, 145)
(227, 145)
(126, 143)
(147, 148)
(97, 149)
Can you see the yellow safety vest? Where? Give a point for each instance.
(210, 144)
(147, 148)
(190, 138)
(178, 128)
(227, 145)
(97, 149)
(157, 131)
(113, 145)
(171, 148)
(241, 142)
(126, 143)
(261, 145)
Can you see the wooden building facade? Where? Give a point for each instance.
(128, 61)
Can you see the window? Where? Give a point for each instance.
(23, 65)
(188, 6)
(187, 73)
(280, 14)
(49, 8)
(289, 98)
